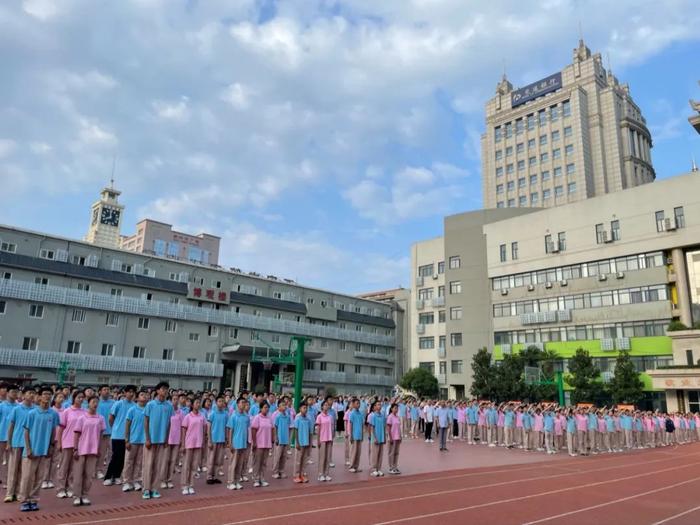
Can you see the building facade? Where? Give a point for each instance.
(158, 238)
(104, 315)
(680, 381)
(106, 219)
(574, 135)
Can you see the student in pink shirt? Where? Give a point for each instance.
(88, 433)
(461, 422)
(581, 428)
(538, 429)
(261, 439)
(192, 440)
(68, 421)
(393, 427)
(324, 431)
(171, 454)
(559, 426)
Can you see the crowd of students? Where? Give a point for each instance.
(147, 440)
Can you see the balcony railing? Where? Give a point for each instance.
(420, 304)
(442, 379)
(97, 363)
(438, 301)
(420, 328)
(442, 353)
(381, 356)
(24, 290)
(324, 376)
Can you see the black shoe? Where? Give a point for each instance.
(216, 481)
(210, 482)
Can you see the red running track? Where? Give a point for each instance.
(647, 487)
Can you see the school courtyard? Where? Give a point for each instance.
(468, 484)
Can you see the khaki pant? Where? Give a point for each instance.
(393, 454)
(83, 474)
(581, 438)
(237, 465)
(14, 470)
(65, 469)
(302, 454)
(570, 445)
(153, 458)
(280, 459)
(189, 465)
(377, 450)
(103, 452)
(32, 475)
(260, 463)
(324, 457)
(508, 436)
(629, 442)
(52, 461)
(171, 456)
(133, 465)
(346, 443)
(355, 454)
(215, 460)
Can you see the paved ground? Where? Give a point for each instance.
(468, 484)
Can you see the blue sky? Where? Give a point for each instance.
(318, 138)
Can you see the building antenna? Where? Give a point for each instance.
(694, 167)
(504, 68)
(580, 31)
(114, 165)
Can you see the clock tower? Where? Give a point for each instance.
(105, 219)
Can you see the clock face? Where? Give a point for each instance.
(95, 214)
(110, 217)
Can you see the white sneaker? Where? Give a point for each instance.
(163, 485)
(264, 483)
(427, 441)
(256, 484)
(44, 485)
(332, 465)
(118, 481)
(374, 473)
(69, 493)
(328, 478)
(322, 478)
(276, 476)
(108, 483)
(250, 470)
(170, 485)
(245, 478)
(100, 475)
(127, 487)
(229, 486)
(380, 473)
(49, 484)
(138, 486)
(190, 490)
(77, 502)
(353, 470)
(239, 486)
(186, 491)
(62, 494)
(86, 501)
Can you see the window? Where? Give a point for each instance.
(254, 336)
(112, 319)
(555, 135)
(569, 149)
(556, 153)
(522, 182)
(213, 330)
(456, 367)
(78, 315)
(43, 281)
(509, 151)
(168, 354)
(429, 366)
(566, 108)
(233, 332)
(502, 252)
(275, 338)
(522, 200)
(568, 131)
(441, 290)
(83, 287)
(455, 287)
(531, 121)
(358, 368)
(342, 345)
(615, 230)
(499, 188)
(544, 157)
(47, 254)
(545, 175)
(455, 313)
(441, 267)
(139, 352)
(144, 323)
(500, 204)
(570, 169)
(425, 271)
(455, 262)
(542, 117)
(170, 326)
(562, 241)
(499, 154)
(511, 203)
(554, 113)
(8, 247)
(558, 191)
(599, 233)
(548, 245)
(428, 318)
(107, 350)
(679, 216)
(7, 275)
(659, 215)
(441, 316)
(30, 343)
(521, 165)
(519, 126)
(531, 143)
(36, 311)
(546, 194)
(519, 147)
(533, 179)
(117, 292)
(511, 185)
(689, 358)
(534, 198)
(194, 337)
(509, 168)
(497, 134)
(425, 294)
(543, 140)
(557, 172)
(3, 307)
(571, 188)
(426, 343)
(514, 251)
(499, 171)
(509, 130)
(73, 347)
(456, 339)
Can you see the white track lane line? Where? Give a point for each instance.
(619, 500)
(671, 518)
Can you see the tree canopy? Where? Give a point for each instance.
(421, 381)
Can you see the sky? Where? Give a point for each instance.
(318, 138)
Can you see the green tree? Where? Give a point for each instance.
(483, 375)
(546, 361)
(421, 381)
(508, 382)
(625, 386)
(583, 378)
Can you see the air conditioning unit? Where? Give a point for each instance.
(604, 237)
(553, 247)
(435, 276)
(530, 287)
(548, 284)
(602, 277)
(669, 224)
(564, 282)
(504, 291)
(607, 345)
(620, 275)
(669, 260)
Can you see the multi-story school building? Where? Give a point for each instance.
(89, 312)
(604, 274)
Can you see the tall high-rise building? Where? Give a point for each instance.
(105, 219)
(573, 135)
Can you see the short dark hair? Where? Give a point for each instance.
(162, 384)
(129, 388)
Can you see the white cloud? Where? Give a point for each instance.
(40, 148)
(7, 146)
(92, 133)
(41, 9)
(174, 111)
(236, 95)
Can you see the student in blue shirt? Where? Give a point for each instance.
(508, 425)
(472, 420)
(302, 437)
(281, 423)
(117, 424)
(15, 441)
(104, 407)
(38, 435)
(356, 421)
(237, 427)
(217, 440)
(134, 439)
(156, 426)
(548, 421)
(571, 432)
(8, 401)
(527, 430)
(377, 427)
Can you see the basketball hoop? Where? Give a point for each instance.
(532, 375)
(267, 364)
